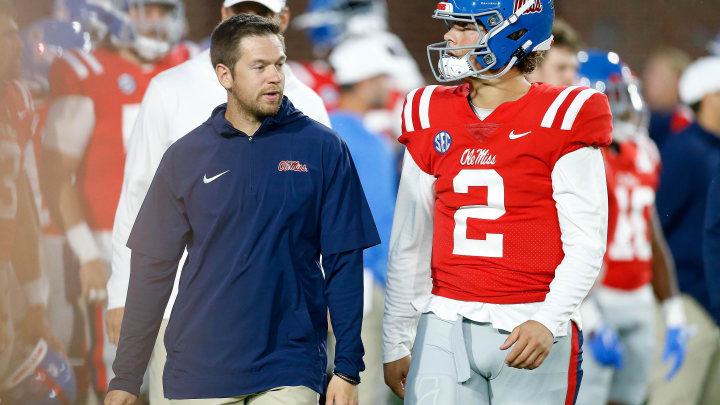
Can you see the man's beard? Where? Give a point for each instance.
(257, 107)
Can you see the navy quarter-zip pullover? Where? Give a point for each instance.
(255, 214)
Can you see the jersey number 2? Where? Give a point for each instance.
(492, 246)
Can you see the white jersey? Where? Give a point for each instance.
(177, 101)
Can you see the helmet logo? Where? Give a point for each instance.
(444, 6)
(535, 8)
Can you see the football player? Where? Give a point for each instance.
(95, 97)
(501, 218)
(19, 233)
(619, 314)
(560, 65)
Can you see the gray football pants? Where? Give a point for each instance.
(459, 362)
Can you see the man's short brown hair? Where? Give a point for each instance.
(226, 37)
(566, 36)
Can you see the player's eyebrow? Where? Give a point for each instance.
(282, 58)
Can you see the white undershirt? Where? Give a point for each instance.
(580, 192)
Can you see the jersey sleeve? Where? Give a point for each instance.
(414, 136)
(66, 76)
(590, 122)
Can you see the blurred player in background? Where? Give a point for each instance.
(691, 159)
(660, 87)
(30, 370)
(362, 69)
(95, 97)
(560, 65)
(330, 22)
(619, 313)
(503, 202)
(176, 102)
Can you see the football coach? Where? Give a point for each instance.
(257, 193)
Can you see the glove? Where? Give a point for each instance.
(676, 337)
(606, 347)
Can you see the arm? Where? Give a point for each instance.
(344, 292)
(157, 240)
(70, 123)
(580, 194)
(711, 241)
(149, 140)
(408, 262)
(151, 282)
(408, 259)
(664, 281)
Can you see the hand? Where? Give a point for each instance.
(35, 327)
(117, 397)
(606, 347)
(395, 374)
(532, 341)
(340, 392)
(113, 322)
(676, 340)
(93, 279)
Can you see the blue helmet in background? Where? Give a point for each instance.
(101, 18)
(605, 72)
(44, 377)
(509, 30)
(329, 22)
(44, 41)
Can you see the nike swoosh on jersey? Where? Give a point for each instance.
(513, 135)
(211, 179)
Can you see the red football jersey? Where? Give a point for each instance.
(116, 87)
(16, 128)
(496, 234)
(633, 174)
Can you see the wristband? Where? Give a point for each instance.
(674, 312)
(82, 243)
(37, 291)
(347, 378)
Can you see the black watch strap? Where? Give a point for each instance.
(352, 380)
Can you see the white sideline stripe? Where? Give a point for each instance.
(555, 106)
(408, 111)
(425, 106)
(75, 63)
(575, 107)
(92, 61)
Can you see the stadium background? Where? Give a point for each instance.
(633, 28)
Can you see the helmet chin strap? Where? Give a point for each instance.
(150, 49)
(455, 68)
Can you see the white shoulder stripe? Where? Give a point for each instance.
(408, 111)
(575, 107)
(549, 117)
(92, 61)
(26, 96)
(425, 106)
(77, 66)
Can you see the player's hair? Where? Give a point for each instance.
(677, 59)
(226, 37)
(530, 62)
(564, 35)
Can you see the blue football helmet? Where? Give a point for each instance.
(329, 22)
(509, 30)
(44, 41)
(605, 72)
(43, 377)
(112, 19)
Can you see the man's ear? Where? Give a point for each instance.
(284, 19)
(224, 75)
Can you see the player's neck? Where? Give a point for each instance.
(240, 119)
(489, 94)
(709, 121)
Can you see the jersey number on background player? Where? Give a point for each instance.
(630, 239)
(10, 168)
(492, 246)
